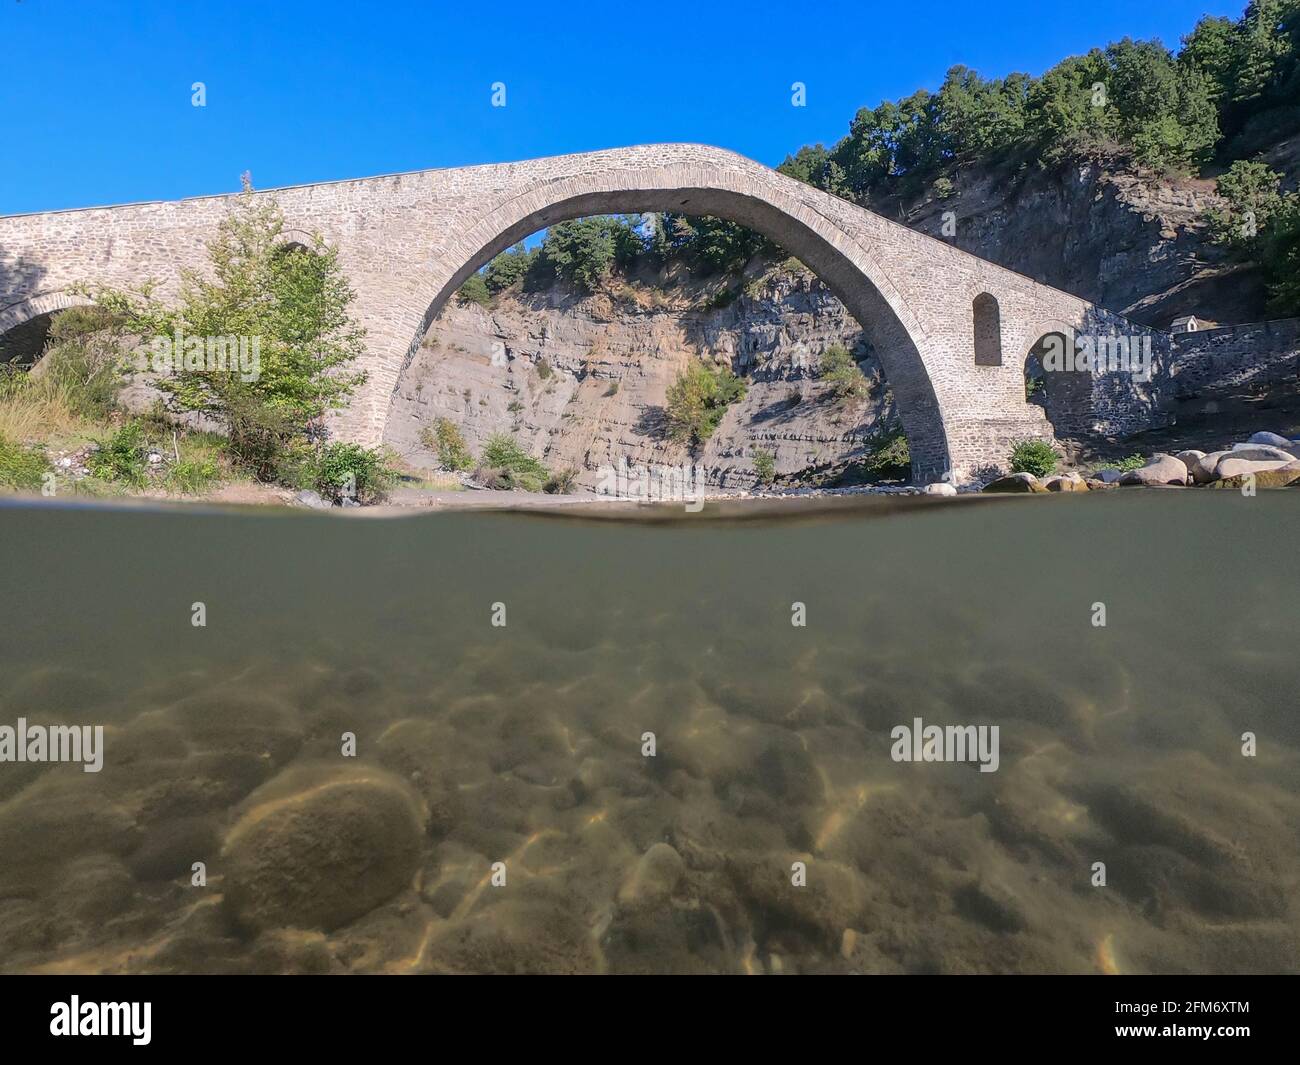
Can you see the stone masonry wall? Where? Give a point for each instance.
(1264, 355)
(407, 242)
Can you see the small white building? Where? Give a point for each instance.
(1188, 324)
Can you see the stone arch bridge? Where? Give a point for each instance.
(952, 331)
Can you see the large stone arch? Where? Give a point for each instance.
(847, 267)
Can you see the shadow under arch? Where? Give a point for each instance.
(847, 269)
(1052, 382)
(25, 327)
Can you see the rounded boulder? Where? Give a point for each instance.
(320, 848)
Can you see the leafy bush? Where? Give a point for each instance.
(199, 466)
(1261, 223)
(1034, 456)
(350, 471)
(710, 245)
(191, 476)
(446, 441)
(890, 455)
(77, 378)
(560, 484)
(764, 465)
(1124, 465)
(291, 301)
(84, 360)
(544, 370)
(506, 465)
(698, 398)
(508, 268)
(123, 457)
(845, 377)
(21, 467)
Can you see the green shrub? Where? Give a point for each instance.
(350, 471)
(508, 268)
(506, 465)
(845, 377)
(21, 467)
(446, 441)
(698, 398)
(544, 369)
(199, 464)
(290, 305)
(191, 476)
(84, 360)
(122, 458)
(764, 465)
(1034, 456)
(890, 455)
(560, 484)
(1132, 462)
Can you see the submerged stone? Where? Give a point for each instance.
(321, 849)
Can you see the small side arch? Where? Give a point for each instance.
(25, 327)
(987, 321)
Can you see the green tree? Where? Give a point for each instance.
(1211, 49)
(475, 290)
(711, 245)
(291, 301)
(583, 251)
(1253, 199)
(508, 268)
(978, 117)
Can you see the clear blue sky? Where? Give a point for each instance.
(301, 92)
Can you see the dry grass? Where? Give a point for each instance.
(41, 412)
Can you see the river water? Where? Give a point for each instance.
(657, 741)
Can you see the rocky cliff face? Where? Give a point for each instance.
(582, 382)
(1132, 243)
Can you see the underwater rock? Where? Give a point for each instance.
(669, 938)
(831, 900)
(233, 720)
(170, 848)
(93, 890)
(54, 821)
(289, 951)
(320, 848)
(655, 876)
(993, 907)
(524, 936)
